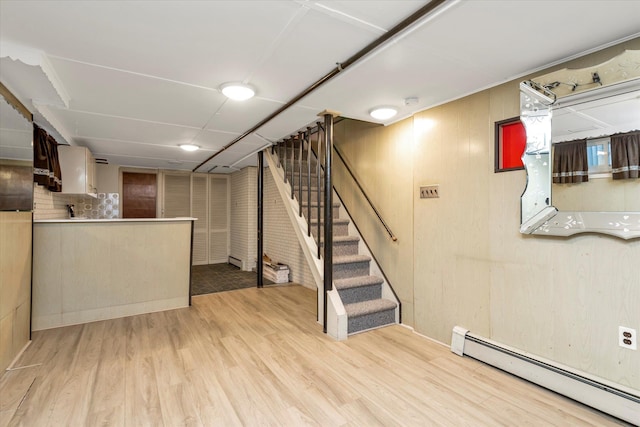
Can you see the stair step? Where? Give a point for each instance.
(348, 266)
(314, 203)
(356, 282)
(343, 245)
(336, 221)
(314, 209)
(358, 289)
(369, 314)
(350, 259)
(340, 227)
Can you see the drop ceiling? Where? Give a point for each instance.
(133, 80)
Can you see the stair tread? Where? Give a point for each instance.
(363, 308)
(304, 203)
(335, 221)
(342, 239)
(356, 282)
(347, 259)
(337, 239)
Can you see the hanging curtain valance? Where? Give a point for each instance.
(570, 164)
(46, 166)
(625, 155)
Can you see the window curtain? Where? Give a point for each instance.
(46, 166)
(625, 155)
(570, 164)
(55, 174)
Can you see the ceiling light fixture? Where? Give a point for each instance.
(383, 113)
(237, 91)
(189, 147)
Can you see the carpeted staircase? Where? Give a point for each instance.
(360, 292)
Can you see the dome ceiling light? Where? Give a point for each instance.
(383, 113)
(189, 147)
(237, 91)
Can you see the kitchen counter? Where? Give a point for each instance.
(64, 220)
(86, 270)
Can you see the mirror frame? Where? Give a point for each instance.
(537, 102)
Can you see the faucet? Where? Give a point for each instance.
(70, 208)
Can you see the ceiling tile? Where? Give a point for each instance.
(238, 117)
(87, 125)
(106, 91)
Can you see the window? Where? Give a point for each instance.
(510, 142)
(598, 157)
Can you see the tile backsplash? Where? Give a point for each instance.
(106, 206)
(48, 205)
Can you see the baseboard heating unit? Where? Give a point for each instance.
(607, 398)
(235, 261)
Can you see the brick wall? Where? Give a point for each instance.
(243, 245)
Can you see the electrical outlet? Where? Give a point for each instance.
(430, 191)
(627, 338)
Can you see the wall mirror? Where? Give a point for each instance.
(586, 107)
(16, 154)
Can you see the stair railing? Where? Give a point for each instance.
(317, 143)
(287, 159)
(364, 193)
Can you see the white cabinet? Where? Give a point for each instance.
(78, 170)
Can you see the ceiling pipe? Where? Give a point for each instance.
(403, 25)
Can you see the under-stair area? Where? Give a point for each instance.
(364, 299)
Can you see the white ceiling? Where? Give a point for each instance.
(132, 80)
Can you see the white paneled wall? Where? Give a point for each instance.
(243, 221)
(280, 241)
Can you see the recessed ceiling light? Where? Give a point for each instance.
(383, 113)
(237, 91)
(189, 147)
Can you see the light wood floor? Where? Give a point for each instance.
(257, 357)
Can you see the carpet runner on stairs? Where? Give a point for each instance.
(361, 292)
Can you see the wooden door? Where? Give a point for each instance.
(139, 195)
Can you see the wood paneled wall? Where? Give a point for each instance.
(15, 284)
(559, 298)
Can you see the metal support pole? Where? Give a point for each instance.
(300, 151)
(319, 183)
(309, 181)
(293, 164)
(259, 266)
(284, 159)
(328, 212)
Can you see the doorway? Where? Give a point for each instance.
(139, 195)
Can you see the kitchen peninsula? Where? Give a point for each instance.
(86, 270)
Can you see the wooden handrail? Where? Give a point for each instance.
(375, 210)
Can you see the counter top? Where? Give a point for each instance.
(114, 220)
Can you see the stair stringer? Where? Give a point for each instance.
(336, 313)
(374, 268)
